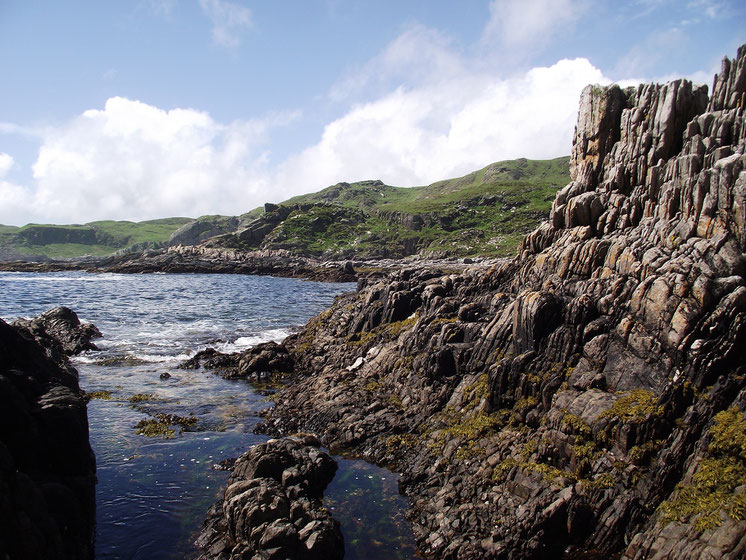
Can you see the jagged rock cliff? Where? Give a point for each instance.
(47, 467)
(586, 398)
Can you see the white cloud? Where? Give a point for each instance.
(713, 9)
(15, 199)
(228, 21)
(135, 161)
(417, 55)
(6, 162)
(419, 135)
(517, 24)
(161, 7)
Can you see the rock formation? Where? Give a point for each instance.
(60, 333)
(272, 506)
(258, 363)
(585, 399)
(47, 468)
(202, 259)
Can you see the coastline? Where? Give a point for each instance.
(191, 259)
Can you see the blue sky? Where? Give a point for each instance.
(137, 110)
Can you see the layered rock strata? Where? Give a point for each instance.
(586, 398)
(47, 467)
(272, 506)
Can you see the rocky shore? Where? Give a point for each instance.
(47, 467)
(211, 260)
(198, 259)
(585, 399)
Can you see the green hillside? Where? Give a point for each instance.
(94, 238)
(485, 213)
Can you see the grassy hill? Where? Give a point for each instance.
(95, 238)
(484, 213)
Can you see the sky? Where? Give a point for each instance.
(142, 109)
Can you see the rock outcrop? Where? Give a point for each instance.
(47, 467)
(272, 506)
(60, 332)
(585, 399)
(202, 259)
(258, 363)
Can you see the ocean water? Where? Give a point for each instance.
(153, 492)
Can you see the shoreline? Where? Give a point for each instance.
(199, 260)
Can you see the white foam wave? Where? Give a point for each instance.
(246, 342)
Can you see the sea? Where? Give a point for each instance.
(153, 492)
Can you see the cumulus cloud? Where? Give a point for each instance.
(131, 160)
(16, 200)
(228, 19)
(423, 134)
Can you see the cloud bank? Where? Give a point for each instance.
(440, 130)
(134, 161)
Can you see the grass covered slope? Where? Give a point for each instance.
(484, 213)
(95, 238)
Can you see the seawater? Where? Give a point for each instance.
(153, 493)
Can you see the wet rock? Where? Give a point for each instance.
(212, 359)
(261, 361)
(272, 505)
(60, 332)
(47, 468)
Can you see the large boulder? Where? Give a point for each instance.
(60, 331)
(272, 506)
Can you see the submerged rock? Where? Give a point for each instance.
(47, 467)
(272, 506)
(575, 401)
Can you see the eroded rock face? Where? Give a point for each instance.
(47, 467)
(571, 401)
(272, 506)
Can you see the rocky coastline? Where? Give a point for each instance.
(47, 467)
(210, 260)
(196, 259)
(585, 399)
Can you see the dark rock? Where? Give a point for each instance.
(272, 505)
(60, 331)
(212, 359)
(263, 360)
(47, 468)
